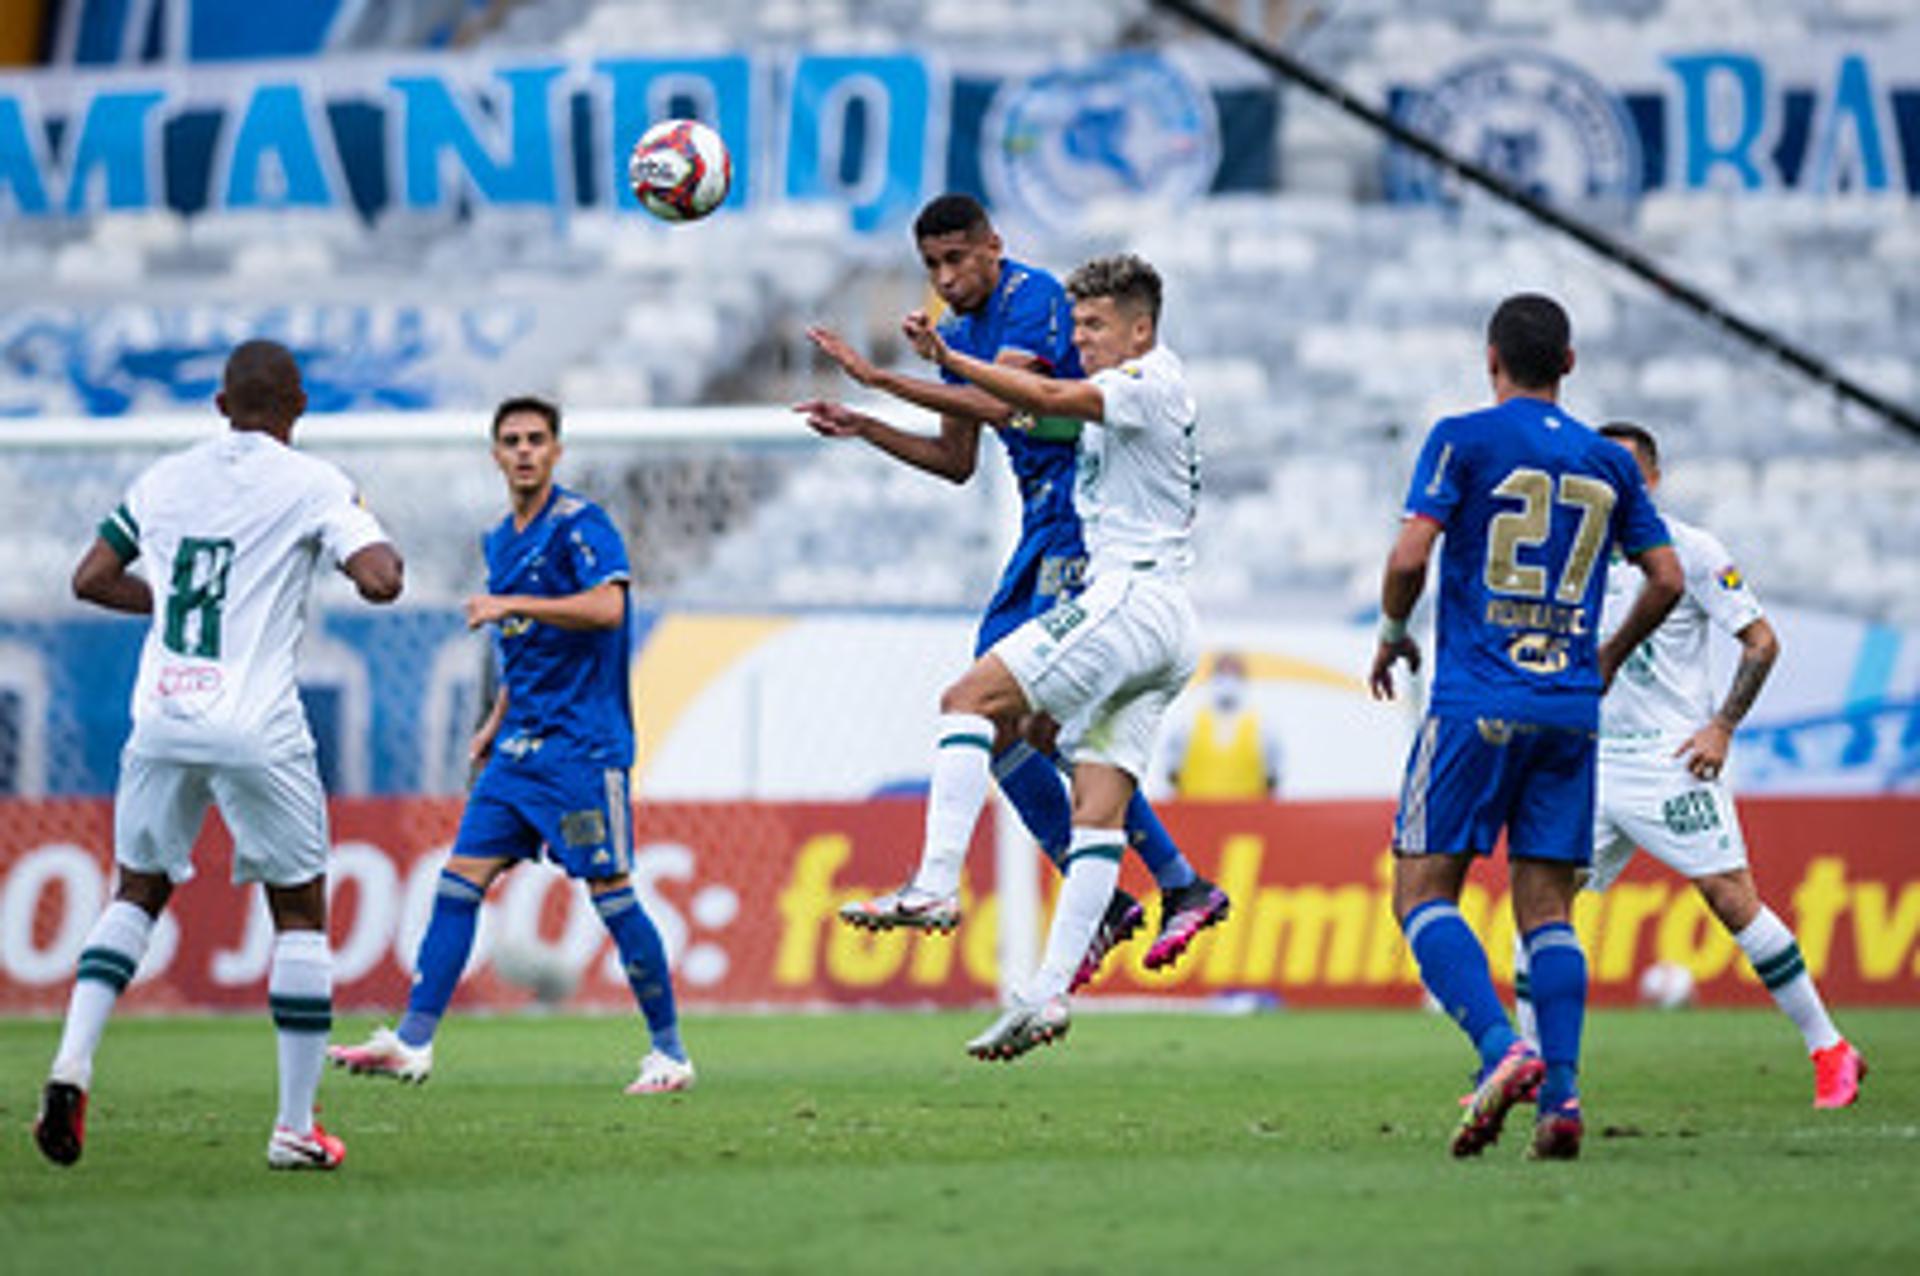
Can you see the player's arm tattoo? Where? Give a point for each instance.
(1758, 650)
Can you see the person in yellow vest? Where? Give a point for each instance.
(1224, 750)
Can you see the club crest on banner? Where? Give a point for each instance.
(1537, 120)
(1129, 126)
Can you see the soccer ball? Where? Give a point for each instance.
(680, 170)
(1666, 985)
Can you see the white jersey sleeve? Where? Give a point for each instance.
(345, 524)
(1135, 395)
(1716, 584)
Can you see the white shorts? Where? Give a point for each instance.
(1648, 799)
(277, 814)
(1106, 664)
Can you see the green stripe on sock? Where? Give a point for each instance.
(1103, 852)
(1523, 987)
(104, 965)
(977, 741)
(1782, 970)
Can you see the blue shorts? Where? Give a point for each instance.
(1047, 565)
(1468, 778)
(578, 812)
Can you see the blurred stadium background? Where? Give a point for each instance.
(422, 198)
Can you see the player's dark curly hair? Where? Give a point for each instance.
(527, 403)
(1128, 279)
(950, 214)
(1532, 335)
(1638, 435)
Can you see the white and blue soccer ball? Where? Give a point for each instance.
(680, 170)
(1666, 985)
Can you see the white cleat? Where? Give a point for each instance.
(315, 1150)
(385, 1055)
(909, 906)
(662, 1074)
(1021, 1027)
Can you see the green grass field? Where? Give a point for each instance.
(1311, 1141)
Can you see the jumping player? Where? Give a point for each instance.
(1008, 313)
(1531, 503)
(558, 746)
(1106, 663)
(1663, 754)
(232, 528)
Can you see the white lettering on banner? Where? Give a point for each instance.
(81, 898)
(376, 907)
(247, 964)
(519, 920)
(423, 879)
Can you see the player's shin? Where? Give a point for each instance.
(1155, 846)
(1523, 1016)
(112, 952)
(1453, 966)
(644, 958)
(1093, 870)
(1776, 958)
(443, 956)
(959, 787)
(1558, 976)
(1033, 783)
(300, 994)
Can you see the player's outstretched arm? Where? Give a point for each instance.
(950, 454)
(602, 607)
(1401, 585)
(376, 571)
(1706, 749)
(1023, 388)
(1661, 590)
(102, 578)
(935, 396)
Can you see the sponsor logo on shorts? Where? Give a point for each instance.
(583, 828)
(1690, 813)
(188, 680)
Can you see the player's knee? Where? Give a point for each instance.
(299, 907)
(1732, 898)
(148, 892)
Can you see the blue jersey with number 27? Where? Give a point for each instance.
(1532, 503)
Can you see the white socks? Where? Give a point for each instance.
(113, 950)
(300, 992)
(1093, 870)
(1523, 994)
(1776, 958)
(960, 776)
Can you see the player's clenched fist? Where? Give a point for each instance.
(919, 330)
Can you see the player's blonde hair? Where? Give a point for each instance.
(1125, 277)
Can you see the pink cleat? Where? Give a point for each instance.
(1557, 1134)
(384, 1055)
(314, 1150)
(1515, 1079)
(1837, 1073)
(61, 1126)
(1184, 913)
(1122, 918)
(661, 1073)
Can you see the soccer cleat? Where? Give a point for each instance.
(909, 906)
(1556, 1135)
(1837, 1073)
(662, 1074)
(1184, 912)
(315, 1150)
(61, 1126)
(1021, 1027)
(385, 1055)
(1514, 1079)
(1123, 917)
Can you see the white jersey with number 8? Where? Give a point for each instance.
(231, 530)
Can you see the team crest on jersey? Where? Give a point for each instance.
(1130, 125)
(1537, 120)
(1730, 577)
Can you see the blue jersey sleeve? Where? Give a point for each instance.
(1436, 489)
(595, 550)
(1637, 525)
(1032, 325)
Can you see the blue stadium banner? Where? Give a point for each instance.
(1617, 118)
(874, 133)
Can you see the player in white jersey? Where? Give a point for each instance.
(1662, 784)
(1104, 664)
(232, 529)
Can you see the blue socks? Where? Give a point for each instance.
(645, 960)
(1453, 965)
(443, 955)
(1150, 841)
(1033, 784)
(1557, 976)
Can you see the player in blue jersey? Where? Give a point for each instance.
(558, 746)
(1532, 503)
(1004, 311)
